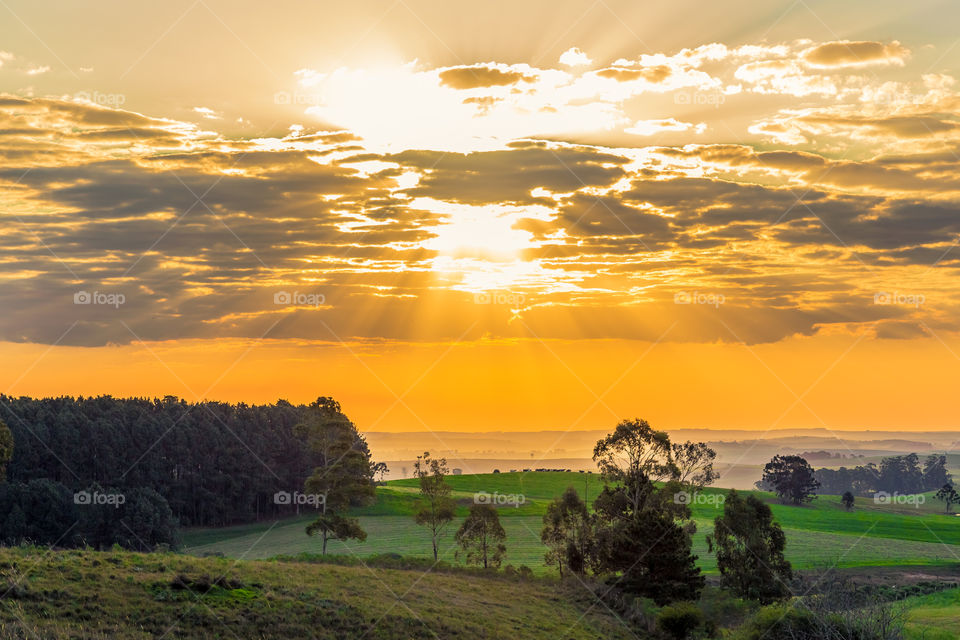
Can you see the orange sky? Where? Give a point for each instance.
(840, 382)
(492, 218)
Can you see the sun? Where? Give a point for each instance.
(488, 232)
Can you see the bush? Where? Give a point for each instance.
(679, 620)
(796, 622)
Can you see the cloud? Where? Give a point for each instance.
(406, 190)
(207, 113)
(847, 53)
(486, 75)
(653, 127)
(575, 57)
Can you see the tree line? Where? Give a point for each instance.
(902, 474)
(130, 471)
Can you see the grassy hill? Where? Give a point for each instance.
(87, 594)
(818, 534)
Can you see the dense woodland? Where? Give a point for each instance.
(209, 463)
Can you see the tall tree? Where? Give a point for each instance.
(749, 547)
(636, 528)
(6, 449)
(436, 506)
(635, 456)
(344, 476)
(565, 531)
(792, 478)
(481, 537)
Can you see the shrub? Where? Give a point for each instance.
(679, 620)
(796, 622)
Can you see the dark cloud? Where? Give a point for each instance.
(472, 77)
(846, 53)
(655, 74)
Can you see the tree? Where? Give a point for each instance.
(948, 495)
(481, 537)
(935, 472)
(565, 531)
(635, 456)
(636, 530)
(694, 462)
(344, 476)
(900, 474)
(650, 550)
(749, 547)
(6, 449)
(436, 506)
(792, 478)
(847, 499)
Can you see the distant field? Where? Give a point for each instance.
(820, 534)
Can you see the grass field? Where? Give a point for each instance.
(934, 617)
(819, 534)
(60, 595)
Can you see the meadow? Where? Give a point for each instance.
(819, 534)
(71, 594)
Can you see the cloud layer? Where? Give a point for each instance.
(466, 201)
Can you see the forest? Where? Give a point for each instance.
(89, 463)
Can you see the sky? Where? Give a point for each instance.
(516, 216)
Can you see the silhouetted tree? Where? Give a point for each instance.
(791, 477)
(749, 547)
(6, 449)
(344, 476)
(566, 531)
(636, 530)
(694, 462)
(935, 473)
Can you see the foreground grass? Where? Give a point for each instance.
(934, 617)
(87, 594)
